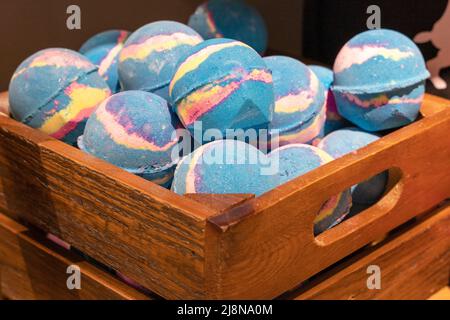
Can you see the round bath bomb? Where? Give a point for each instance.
(55, 90)
(334, 120)
(135, 131)
(223, 167)
(296, 160)
(300, 105)
(222, 84)
(379, 80)
(348, 140)
(148, 59)
(233, 19)
(103, 50)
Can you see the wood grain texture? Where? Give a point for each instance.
(443, 294)
(32, 267)
(4, 104)
(433, 104)
(266, 246)
(121, 220)
(414, 264)
(220, 202)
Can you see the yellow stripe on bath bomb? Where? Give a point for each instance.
(82, 98)
(194, 61)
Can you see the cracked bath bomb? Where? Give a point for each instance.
(379, 80)
(222, 84)
(103, 50)
(233, 19)
(224, 167)
(135, 131)
(55, 91)
(296, 160)
(348, 140)
(300, 105)
(334, 120)
(148, 59)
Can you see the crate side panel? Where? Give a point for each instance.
(266, 247)
(34, 268)
(102, 212)
(413, 265)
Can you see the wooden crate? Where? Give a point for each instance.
(219, 246)
(414, 261)
(32, 267)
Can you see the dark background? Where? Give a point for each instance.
(315, 29)
(27, 26)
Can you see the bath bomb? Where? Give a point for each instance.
(103, 50)
(224, 167)
(148, 59)
(135, 131)
(379, 80)
(296, 160)
(348, 140)
(233, 19)
(55, 91)
(300, 105)
(222, 84)
(334, 120)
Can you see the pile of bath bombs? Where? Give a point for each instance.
(103, 50)
(130, 98)
(233, 19)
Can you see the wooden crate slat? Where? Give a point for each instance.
(220, 202)
(443, 294)
(32, 267)
(414, 265)
(4, 105)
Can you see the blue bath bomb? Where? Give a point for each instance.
(55, 91)
(379, 78)
(296, 160)
(103, 50)
(300, 105)
(222, 84)
(223, 167)
(348, 140)
(233, 19)
(135, 131)
(334, 120)
(148, 59)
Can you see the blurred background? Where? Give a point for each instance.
(313, 29)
